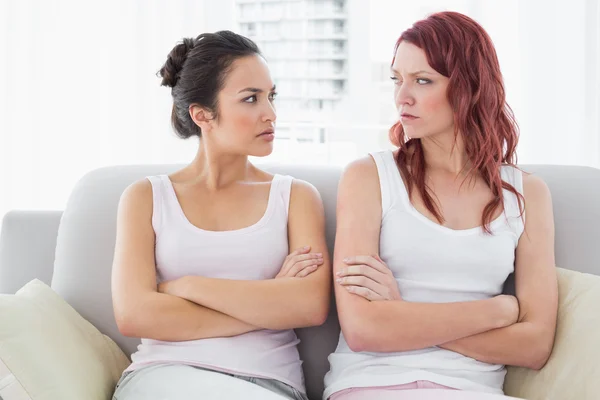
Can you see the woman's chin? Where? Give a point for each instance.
(416, 134)
(411, 135)
(262, 152)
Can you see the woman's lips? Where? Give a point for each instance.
(407, 118)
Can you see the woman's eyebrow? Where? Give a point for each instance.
(414, 73)
(255, 90)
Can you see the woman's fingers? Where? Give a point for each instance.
(300, 254)
(367, 260)
(306, 257)
(301, 250)
(307, 271)
(299, 266)
(364, 270)
(364, 292)
(360, 280)
(383, 284)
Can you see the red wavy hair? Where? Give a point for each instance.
(458, 48)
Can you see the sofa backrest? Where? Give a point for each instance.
(86, 240)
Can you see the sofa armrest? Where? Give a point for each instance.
(27, 245)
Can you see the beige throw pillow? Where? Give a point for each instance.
(573, 370)
(49, 352)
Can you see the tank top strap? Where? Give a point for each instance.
(282, 188)
(159, 201)
(390, 182)
(512, 210)
(514, 177)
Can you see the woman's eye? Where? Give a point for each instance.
(395, 80)
(273, 96)
(423, 81)
(251, 99)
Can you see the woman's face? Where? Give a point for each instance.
(246, 123)
(420, 94)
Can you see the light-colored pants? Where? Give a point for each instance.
(185, 382)
(376, 392)
(419, 390)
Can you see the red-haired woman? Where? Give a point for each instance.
(428, 234)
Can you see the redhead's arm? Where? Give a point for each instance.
(529, 342)
(394, 325)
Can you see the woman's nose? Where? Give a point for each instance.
(404, 95)
(269, 113)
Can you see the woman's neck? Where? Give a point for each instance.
(445, 154)
(218, 170)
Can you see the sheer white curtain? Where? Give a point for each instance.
(559, 112)
(78, 90)
(549, 52)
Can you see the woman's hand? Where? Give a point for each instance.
(300, 263)
(508, 308)
(369, 277)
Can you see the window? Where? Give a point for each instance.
(271, 29)
(338, 66)
(338, 86)
(272, 10)
(249, 29)
(338, 5)
(247, 11)
(291, 29)
(338, 47)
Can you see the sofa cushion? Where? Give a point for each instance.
(49, 352)
(574, 367)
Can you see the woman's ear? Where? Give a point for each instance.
(201, 117)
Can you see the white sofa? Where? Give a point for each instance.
(72, 250)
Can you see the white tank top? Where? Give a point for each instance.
(254, 252)
(433, 264)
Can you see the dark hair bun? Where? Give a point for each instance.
(171, 70)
